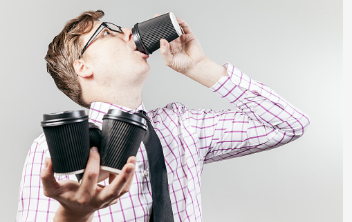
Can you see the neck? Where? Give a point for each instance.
(128, 100)
(130, 97)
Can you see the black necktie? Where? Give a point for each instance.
(161, 207)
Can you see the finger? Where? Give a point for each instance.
(100, 185)
(50, 185)
(132, 159)
(187, 37)
(91, 173)
(124, 179)
(113, 190)
(112, 177)
(165, 51)
(184, 26)
(156, 15)
(128, 184)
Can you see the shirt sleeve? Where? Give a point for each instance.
(261, 119)
(33, 205)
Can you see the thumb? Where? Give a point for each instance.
(165, 51)
(50, 184)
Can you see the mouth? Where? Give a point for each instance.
(141, 53)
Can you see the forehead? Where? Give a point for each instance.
(86, 36)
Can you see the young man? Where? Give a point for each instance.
(110, 74)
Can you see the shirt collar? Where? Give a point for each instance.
(99, 109)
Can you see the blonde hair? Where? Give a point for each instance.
(65, 49)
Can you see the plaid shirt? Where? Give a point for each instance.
(261, 120)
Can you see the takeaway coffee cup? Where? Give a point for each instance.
(122, 134)
(67, 135)
(147, 34)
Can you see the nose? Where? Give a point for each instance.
(127, 36)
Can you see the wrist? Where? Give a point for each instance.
(194, 69)
(206, 72)
(64, 215)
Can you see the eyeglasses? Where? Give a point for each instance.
(110, 26)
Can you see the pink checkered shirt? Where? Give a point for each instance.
(261, 120)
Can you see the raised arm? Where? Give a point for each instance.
(260, 120)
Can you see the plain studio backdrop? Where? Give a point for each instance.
(294, 47)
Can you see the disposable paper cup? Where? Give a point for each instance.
(121, 137)
(147, 34)
(67, 136)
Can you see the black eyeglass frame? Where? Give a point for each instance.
(97, 32)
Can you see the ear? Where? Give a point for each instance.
(82, 69)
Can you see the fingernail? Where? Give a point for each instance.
(164, 43)
(94, 149)
(134, 161)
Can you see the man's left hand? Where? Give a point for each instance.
(184, 53)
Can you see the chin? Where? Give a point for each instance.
(140, 72)
(145, 68)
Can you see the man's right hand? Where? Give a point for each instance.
(78, 202)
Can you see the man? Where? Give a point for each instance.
(110, 74)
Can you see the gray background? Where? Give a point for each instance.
(295, 47)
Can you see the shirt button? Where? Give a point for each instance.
(145, 173)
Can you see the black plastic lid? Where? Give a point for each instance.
(126, 117)
(65, 117)
(138, 41)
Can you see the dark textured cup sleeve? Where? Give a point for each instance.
(147, 34)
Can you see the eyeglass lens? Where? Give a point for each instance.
(113, 27)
